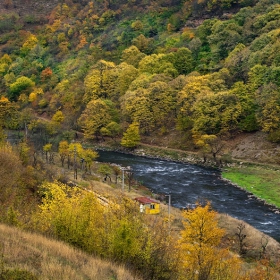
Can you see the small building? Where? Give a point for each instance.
(148, 205)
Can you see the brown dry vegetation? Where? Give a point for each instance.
(256, 244)
(50, 259)
(24, 7)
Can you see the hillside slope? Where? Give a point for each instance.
(28, 7)
(256, 148)
(45, 258)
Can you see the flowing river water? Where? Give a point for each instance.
(188, 184)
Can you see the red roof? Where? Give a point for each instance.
(145, 200)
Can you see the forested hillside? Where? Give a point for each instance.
(207, 70)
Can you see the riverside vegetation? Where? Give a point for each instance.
(105, 222)
(190, 76)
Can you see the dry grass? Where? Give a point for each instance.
(50, 259)
(253, 242)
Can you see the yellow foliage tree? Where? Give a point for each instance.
(88, 157)
(202, 259)
(75, 216)
(29, 44)
(101, 81)
(126, 74)
(47, 149)
(32, 97)
(217, 113)
(58, 117)
(132, 56)
(131, 136)
(209, 144)
(6, 59)
(94, 117)
(63, 150)
(8, 112)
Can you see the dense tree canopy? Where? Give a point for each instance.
(96, 69)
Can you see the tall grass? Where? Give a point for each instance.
(49, 259)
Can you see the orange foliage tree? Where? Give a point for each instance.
(46, 74)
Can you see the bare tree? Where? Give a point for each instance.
(264, 243)
(241, 237)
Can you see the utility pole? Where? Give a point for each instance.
(75, 164)
(169, 206)
(124, 169)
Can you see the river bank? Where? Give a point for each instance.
(261, 181)
(187, 184)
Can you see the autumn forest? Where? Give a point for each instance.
(128, 71)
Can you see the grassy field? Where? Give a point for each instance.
(31, 256)
(261, 181)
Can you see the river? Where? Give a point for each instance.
(188, 184)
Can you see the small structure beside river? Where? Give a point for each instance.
(148, 205)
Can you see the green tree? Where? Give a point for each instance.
(21, 84)
(106, 171)
(224, 37)
(144, 44)
(237, 62)
(205, 29)
(112, 130)
(183, 61)
(157, 64)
